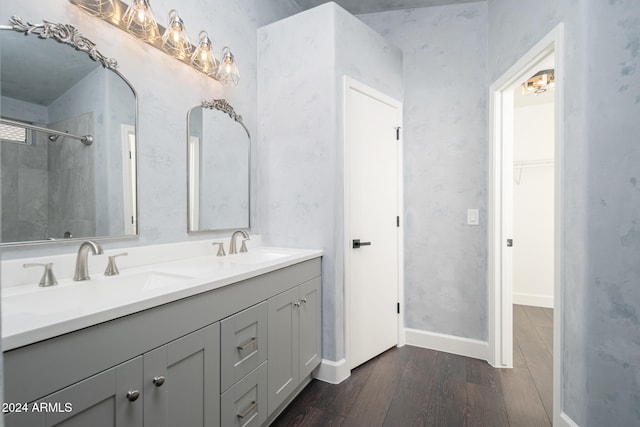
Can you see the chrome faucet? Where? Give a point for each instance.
(232, 244)
(82, 261)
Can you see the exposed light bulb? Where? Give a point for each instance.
(203, 58)
(175, 40)
(228, 73)
(139, 20)
(100, 8)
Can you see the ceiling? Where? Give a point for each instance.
(370, 6)
(29, 65)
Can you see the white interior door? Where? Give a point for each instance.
(373, 205)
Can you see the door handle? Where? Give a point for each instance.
(357, 243)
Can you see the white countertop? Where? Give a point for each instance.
(31, 313)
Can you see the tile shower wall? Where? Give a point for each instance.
(24, 171)
(445, 157)
(301, 62)
(72, 189)
(166, 91)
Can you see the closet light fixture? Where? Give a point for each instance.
(139, 21)
(538, 83)
(228, 73)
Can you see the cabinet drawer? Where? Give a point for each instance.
(245, 404)
(243, 344)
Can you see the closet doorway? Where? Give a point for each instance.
(506, 177)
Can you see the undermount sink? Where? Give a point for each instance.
(74, 298)
(142, 281)
(257, 256)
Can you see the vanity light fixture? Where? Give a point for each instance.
(538, 83)
(139, 21)
(227, 72)
(175, 40)
(203, 59)
(101, 8)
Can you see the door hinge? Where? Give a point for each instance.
(397, 133)
(398, 308)
(397, 221)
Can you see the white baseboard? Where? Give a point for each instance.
(545, 301)
(332, 372)
(448, 343)
(566, 421)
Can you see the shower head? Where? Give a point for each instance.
(53, 138)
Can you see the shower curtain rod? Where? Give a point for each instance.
(86, 139)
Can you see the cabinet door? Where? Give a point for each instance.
(243, 342)
(245, 404)
(283, 347)
(310, 303)
(110, 398)
(182, 381)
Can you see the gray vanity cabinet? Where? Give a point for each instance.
(110, 398)
(294, 340)
(234, 355)
(310, 327)
(182, 381)
(243, 344)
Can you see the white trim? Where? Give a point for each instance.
(447, 343)
(129, 179)
(500, 298)
(332, 372)
(566, 421)
(193, 205)
(535, 300)
(350, 83)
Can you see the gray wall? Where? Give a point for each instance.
(301, 62)
(166, 90)
(445, 157)
(601, 338)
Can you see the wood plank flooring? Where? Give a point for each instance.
(411, 386)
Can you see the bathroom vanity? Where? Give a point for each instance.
(222, 341)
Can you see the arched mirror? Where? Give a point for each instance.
(68, 137)
(219, 147)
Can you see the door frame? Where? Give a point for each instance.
(352, 84)
(500, 211)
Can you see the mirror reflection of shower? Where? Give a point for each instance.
(53, 134)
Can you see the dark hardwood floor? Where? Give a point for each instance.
(411, 386)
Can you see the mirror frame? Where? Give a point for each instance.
(69, 35)
(223, 106)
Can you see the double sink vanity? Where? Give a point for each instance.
(201, 340)
(176, 334)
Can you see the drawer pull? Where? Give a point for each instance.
(158, 381)
(253, 406)
(248, 344)
(133, 395)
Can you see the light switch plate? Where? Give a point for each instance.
(473, 217)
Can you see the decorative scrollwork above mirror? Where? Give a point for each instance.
(219, 164)
(68, 137)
